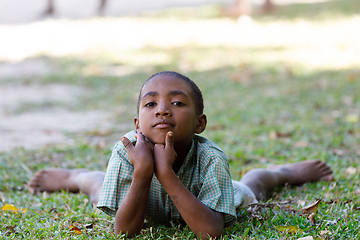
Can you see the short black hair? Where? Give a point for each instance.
(196, 92)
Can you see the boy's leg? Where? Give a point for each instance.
(263, 181)
(74, 180)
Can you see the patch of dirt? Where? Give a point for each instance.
(40, 128)
(27, 68)
(34, 130)
(12, 96)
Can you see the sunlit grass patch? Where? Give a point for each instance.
(315, 11)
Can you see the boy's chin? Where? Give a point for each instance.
(156, 140)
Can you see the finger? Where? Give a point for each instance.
(140, 138)
(127, 143)
(169, 140)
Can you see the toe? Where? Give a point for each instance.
(328, 178)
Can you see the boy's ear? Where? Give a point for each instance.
(137, 125)
(202, 121)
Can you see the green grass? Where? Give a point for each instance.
(321, 11)
(249, 92)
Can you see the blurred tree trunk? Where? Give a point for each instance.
(102, 7)
(50, 7)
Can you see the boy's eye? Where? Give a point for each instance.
(178, 103)
(150, 104)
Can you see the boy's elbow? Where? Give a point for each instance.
(130, 229)
(217, 233)
(211, 233)
(215, 230)
(129, 234)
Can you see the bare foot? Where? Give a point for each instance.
(302, 172)
(51, 180)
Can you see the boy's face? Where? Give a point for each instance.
(166, 104)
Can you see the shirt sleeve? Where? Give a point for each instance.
(117, 180)
(217, 191)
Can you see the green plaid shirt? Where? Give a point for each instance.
(205, 173)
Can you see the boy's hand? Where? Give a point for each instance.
(204, 221)
(130, 215)
(140, 155)
(164, 154)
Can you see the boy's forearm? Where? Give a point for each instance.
(202, 220)
(131, 213)
(130, 216)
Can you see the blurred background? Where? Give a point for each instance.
(72, 74)
(280, 79)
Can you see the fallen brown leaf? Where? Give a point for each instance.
(310, 208)
(339, 201)
(75, 229)
(11, 228)
(311, 218)
(257, 210)
(332, 201)
(53, 210)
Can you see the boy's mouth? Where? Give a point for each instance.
(163, 124)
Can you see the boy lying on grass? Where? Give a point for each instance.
(163, 171)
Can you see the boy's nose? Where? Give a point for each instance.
(163, 110)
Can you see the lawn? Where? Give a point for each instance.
(283, 88)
